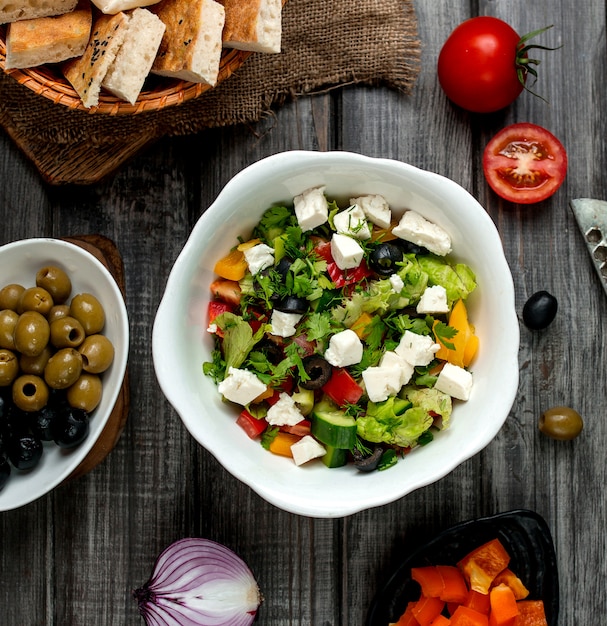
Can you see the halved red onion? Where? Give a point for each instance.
(199, 582)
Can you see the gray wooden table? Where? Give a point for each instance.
(73, 557)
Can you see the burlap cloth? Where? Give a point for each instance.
(325, 45)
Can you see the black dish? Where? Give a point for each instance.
(524, 534)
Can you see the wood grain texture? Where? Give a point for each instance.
(74, 556)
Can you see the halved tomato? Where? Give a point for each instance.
(525, 163)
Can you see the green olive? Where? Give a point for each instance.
(55, 281)
(89, 312)
(57, 312)
(8, 321)
(85, 393)
(35, 364)
(97, 353)
(63, 368)
(67, 332)
(10, 295)
(36, 299)
(9, 367)
(32, 333)
(561, 422)
(30, 393)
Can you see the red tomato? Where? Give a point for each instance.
(477, 66)
(524, 163)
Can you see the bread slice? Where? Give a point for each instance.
(191, 46)
(254, 25)
(15, 10)
(30, 43)
(132, 64)
(116, 6)
(86, 72)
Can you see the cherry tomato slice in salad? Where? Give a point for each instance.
(524, 163)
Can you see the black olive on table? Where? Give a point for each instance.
(318, 369)
(540, 310)
(70, 428)
(384, 258)
(367, 463)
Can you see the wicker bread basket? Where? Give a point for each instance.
(160, 93)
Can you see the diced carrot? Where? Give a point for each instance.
(454, 585)
(483, 564)
(478, 601)
(407, 618)
(508, 577)
(441, 620)
(282, 442)
(429, 579)
(361, 324)
(503, 606)
(464, 616)
(427, 609)
(531, 613)
(233, 266)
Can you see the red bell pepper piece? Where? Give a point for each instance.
(216, 308)
(342, 388)
(340, 277)
(301, 428)
(251, 425)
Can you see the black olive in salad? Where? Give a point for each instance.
(384, 258)
(318, 369)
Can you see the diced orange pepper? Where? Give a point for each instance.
(281, 444)
(503, 606)
(429, 580)
(247, 244)
(531, 613)
(508, 577)
(441, 620)
(427, 609)
(478, 601)
(454, 585)
(226, 290)
(407, 618)
(233, 266)
(464, 616)
(483, 564)
(361, 324)
(461, 354)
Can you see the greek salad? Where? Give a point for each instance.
(341, 333)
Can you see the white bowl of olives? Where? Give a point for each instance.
(64, 341)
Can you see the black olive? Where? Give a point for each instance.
(41, 422)
(367, 463)
(272, 350)
(384, 257)
(540, 310)
(318, 369)
(70, 428)
(291, 304)
(5, 472)
(283, 266)
(24, 451)
(408, 247)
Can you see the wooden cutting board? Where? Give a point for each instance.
(106, 251)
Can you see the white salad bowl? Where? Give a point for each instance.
(19, 262)
(181, 343)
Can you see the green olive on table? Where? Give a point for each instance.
(97, 353)
(67, 332)
(30, 393)
(561, 422)
(55, 281)
(36, 299)
(9, 367)
(85, 393)
(8, 321)
(10, 295)
(89, 312)
(63, 368)
(32, 333)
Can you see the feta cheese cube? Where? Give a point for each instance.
(259, 257)
(433, 300)
(375, 208)
(397, 283)
(352, 222)
(284, 324)
(417, 349)
(381, 382)
(417, 229)
(455, 381)
(306, 449)
(345, 348)
(241, 386)
(311, 208)
(284, 412)
(346, 252)
(393, 360)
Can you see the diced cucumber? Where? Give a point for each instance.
(335, 457)
(333, 427)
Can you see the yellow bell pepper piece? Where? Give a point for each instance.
(232, 266)
(361, 324)
(465, 342)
